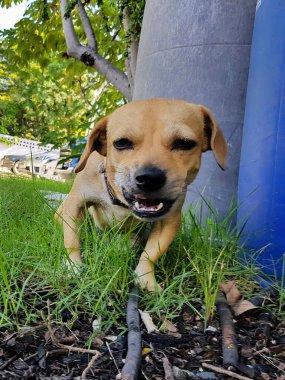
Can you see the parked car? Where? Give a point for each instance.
(15, 162)
(50, 165)
(54, 164)
(40, 164)
(37, 163)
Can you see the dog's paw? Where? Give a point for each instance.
(146, 280)
(73, 266)
(149, 285)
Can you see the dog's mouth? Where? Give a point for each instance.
(147, 207)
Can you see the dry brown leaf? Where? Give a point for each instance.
(147, 320)
(235, 299)
(242, 306)
(167, 326)
(231, 292)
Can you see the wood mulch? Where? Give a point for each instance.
(54, 351)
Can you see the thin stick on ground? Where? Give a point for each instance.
(9, 361)
(88, 368)
(65, 346)
(230, 352)
(225, 371)
(133, 359)
(112, 356)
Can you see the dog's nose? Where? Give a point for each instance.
(150, 178)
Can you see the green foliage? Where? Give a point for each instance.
(8, 3)
(213, 253)
(135, 9)
(47, 96)
(32, 257)
(39, 103)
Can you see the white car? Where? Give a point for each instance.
(43, 163)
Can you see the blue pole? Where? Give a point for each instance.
(261, 188)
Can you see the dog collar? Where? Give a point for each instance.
(114, 199)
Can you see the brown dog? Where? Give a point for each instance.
(138, 162)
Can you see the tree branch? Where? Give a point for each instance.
(71, 39)
(131, 60)
(88, 54)
(89, 32)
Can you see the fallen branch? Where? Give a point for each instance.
(133, 359)
(56, 342)
(224, 371)
(230, 352)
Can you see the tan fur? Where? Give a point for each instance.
(151, 125)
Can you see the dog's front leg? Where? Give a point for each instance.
(70, 215)
(161, 236)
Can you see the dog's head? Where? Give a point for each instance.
(153, 151)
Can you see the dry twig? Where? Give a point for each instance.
(112, 356)
(9, 361)
(90, 365)
(224, 371)
(65, 346)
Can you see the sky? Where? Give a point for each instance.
(9, 17)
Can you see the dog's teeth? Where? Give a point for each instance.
(142, 207)
(159, 207)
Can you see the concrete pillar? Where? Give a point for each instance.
(199, 50)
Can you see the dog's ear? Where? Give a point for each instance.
(97, 140)
(214, 139)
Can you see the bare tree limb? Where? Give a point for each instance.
(129, 72)
(72, 41)
(88, 54)
(131, 60)
(89, 32)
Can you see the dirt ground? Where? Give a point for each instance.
(54, 351)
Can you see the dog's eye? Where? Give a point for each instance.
(183, 144)
(123, 144)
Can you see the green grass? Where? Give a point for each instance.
(32, 270)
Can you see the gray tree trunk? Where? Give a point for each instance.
(199, 50)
